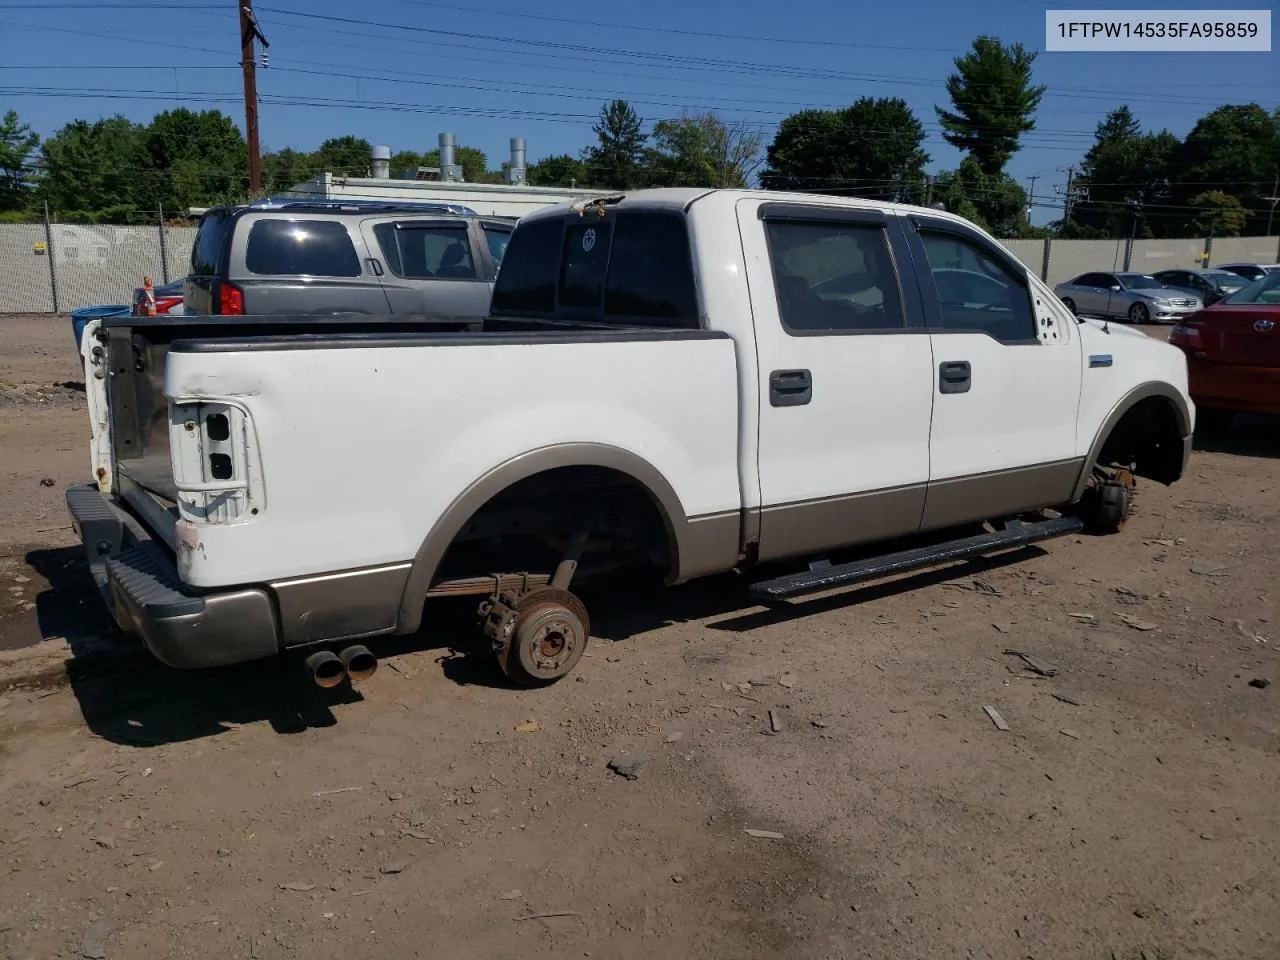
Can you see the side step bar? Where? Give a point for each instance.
(1015, 534)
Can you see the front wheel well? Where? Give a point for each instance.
(1148, 439)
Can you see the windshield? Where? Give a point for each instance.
(1225, 279)
(1263, 290)
(1139, 281)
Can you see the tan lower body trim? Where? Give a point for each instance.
(340, 606)
(987, 496)
(795, 529)
(708, 544)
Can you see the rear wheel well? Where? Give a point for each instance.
(1148, 439)
(526, 526)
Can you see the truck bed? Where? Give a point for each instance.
(360, 420)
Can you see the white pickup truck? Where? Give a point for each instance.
(681, 381)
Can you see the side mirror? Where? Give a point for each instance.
(1117, 287)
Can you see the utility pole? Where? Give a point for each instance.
(1273, 200)
(1067, 196)
(1031, 196)
(249, 32)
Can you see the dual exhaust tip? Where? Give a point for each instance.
(328, 669)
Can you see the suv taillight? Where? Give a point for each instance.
(230, 299)
(1187, 335)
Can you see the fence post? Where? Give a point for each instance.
(1044, 261)
(48, 243)
(164, 254)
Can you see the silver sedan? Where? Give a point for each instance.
(1135, 297)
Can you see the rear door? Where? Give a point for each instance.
(430, 266)
(1006, 388)
(1090, 294)
(846, 374)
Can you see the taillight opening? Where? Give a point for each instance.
(1187, 335)
(230, 299)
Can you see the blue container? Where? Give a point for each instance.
(80, 318)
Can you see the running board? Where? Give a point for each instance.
(1015, 534)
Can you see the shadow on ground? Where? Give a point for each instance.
(1247, 435)
(128, 697)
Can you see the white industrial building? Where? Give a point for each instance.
(443, 184)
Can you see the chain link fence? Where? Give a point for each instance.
(56, 268)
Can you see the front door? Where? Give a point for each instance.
(1006, 385)
(845, 372)
(430, 267)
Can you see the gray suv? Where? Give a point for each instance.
(331, 257)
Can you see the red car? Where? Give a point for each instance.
(1233, 353)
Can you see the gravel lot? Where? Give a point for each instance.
(1131, 810)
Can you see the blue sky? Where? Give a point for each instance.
(399, 72)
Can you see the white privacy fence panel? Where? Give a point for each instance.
(25, 283)
(88, 266)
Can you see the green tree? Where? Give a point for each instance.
(195, 159)
(346, 156)
(1234, 149)
(284, 169)
(994, 202)
(873, 148)
(993, 102)
(95, 170)
(703, 151)
(17, 142)
(1220, 214)
(615, 161)
(403, 160)
(473, 161)
(1127, 177)
(560, 170)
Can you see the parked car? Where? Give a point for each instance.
(168, 299)
(293, 257)
(1209, 285)
(1250, 271)
(1233, 353)
(681, 382)
(1135, 297)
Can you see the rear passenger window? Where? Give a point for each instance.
(208, 245)
(426, 251)
(312, 248)
(650, 271)
(833, 277)
(978, 292)
(527, 281)
(497, 241)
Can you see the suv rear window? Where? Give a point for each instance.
(312, 248)
(208, 245)
(634, 267)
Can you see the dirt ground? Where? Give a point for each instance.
(1132, 809)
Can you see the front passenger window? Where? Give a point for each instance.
(976, 291)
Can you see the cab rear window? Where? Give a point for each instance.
(631, 267)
